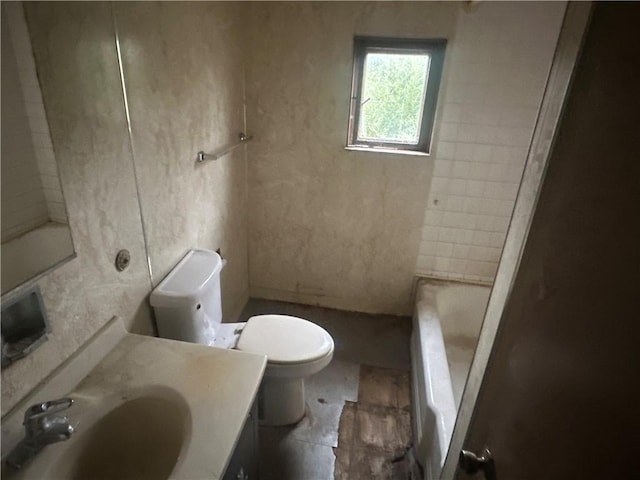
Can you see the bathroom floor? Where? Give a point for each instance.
(306, 450)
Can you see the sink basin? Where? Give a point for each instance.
(144, 408)
(140, 439)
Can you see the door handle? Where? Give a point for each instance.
(471, 463)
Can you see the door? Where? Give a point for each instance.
(560, 396)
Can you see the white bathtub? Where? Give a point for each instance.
(446, 324)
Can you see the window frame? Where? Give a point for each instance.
(362, 45)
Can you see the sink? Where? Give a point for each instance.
(144, 408)
(140, 439)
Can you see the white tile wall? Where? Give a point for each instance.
(39, 127)
(497, 66)
(23, 201)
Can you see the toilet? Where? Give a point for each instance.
(188, 307)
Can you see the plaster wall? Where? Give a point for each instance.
(183, 71)
(304, 221)
(75, 52)
(329, 227)
(185, 94)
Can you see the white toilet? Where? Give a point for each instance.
(188, 307)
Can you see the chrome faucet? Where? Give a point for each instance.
(42, 426)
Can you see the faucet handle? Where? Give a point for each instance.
(42, 427)
(44, 409)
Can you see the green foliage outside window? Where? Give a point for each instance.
(393, 97)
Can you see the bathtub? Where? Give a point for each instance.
(446, 325)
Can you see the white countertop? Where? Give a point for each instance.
(217, 385)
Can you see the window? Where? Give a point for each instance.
(394, 93)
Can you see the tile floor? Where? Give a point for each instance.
(305, 451)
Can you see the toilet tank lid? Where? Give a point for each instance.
(183, 285)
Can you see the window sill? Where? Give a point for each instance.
(392, 151)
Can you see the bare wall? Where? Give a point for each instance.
(183, 70)
(184, 79)
(327, 226)
(75, 52)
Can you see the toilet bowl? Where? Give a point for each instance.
(188, 307)
(295, 349)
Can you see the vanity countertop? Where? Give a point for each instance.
(217, 387)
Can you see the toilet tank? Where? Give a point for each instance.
(187, 302)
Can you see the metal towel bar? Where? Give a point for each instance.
(223, 151)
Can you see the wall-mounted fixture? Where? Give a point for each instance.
(242, 138)
(24, 325)
(123, 259)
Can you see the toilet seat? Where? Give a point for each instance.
(285, 340)
(188, 307)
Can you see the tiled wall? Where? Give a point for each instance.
(38, 126)
(496, 72)
(23, 203)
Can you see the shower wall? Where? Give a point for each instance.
(498, 65)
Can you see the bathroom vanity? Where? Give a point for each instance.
(145, 407)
